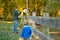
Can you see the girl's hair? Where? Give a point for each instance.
(26, 23)
(15, 7)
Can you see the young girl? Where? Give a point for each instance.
(26, 31)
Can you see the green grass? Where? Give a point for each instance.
(6, 31)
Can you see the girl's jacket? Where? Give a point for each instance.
(26, 31)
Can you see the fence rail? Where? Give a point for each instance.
(48, 22)
(41, 35)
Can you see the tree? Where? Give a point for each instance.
(52, 7)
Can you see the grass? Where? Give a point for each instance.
(6, 31)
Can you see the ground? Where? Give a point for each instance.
(6, 31)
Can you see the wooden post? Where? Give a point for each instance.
(33, 24)
(46, 29)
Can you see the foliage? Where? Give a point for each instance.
(6, 6)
